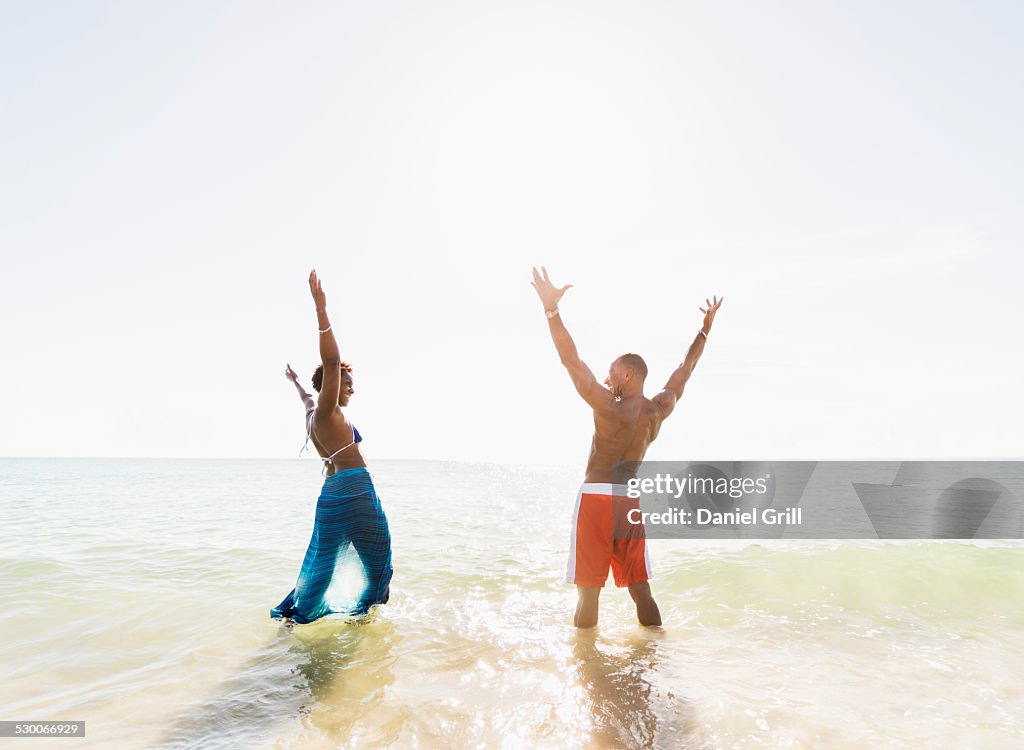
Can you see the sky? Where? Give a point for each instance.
(849, 176)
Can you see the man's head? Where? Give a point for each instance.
(346, 390)
(626, 375)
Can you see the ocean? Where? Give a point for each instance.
(135, 596)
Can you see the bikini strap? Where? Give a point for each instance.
(309, 431)
(328, 460)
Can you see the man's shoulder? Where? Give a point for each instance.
(648, 407)
(631, 411)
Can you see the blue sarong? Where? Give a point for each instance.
(347, 512)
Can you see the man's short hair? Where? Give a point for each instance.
(635, 363)
(318, 375)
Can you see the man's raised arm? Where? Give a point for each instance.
(673, 391)
(582, 378)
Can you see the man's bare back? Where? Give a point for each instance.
(622, 435)
(625, 423)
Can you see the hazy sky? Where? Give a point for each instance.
(848, 175)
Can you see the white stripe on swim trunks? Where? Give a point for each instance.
(647, 559)
(570, 570)
(603, 488)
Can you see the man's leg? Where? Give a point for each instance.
(586, 607)
(646, 608)
(630, 565)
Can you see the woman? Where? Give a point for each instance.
(348, 510)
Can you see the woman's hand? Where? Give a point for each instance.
(290, 374)
(317, 290)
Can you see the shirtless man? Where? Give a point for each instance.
(625, 423)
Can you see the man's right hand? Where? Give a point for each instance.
(709, 312)
(549, 294)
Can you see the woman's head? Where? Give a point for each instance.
(346, 390)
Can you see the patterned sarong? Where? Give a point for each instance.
(347, 512)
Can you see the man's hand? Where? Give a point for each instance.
(709, 312)
(673, 390)
(583, 379)
(317, 290)
(549, 294)
(290, 374)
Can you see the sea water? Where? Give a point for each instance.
(135, 596)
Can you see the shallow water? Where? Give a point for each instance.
(135, 596)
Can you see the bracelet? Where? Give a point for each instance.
(325, 330)
(551, 313)
(701, 332)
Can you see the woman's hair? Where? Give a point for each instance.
(318, 375)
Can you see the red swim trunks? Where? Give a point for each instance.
(603, 538)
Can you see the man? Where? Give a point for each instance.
(625, 423)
